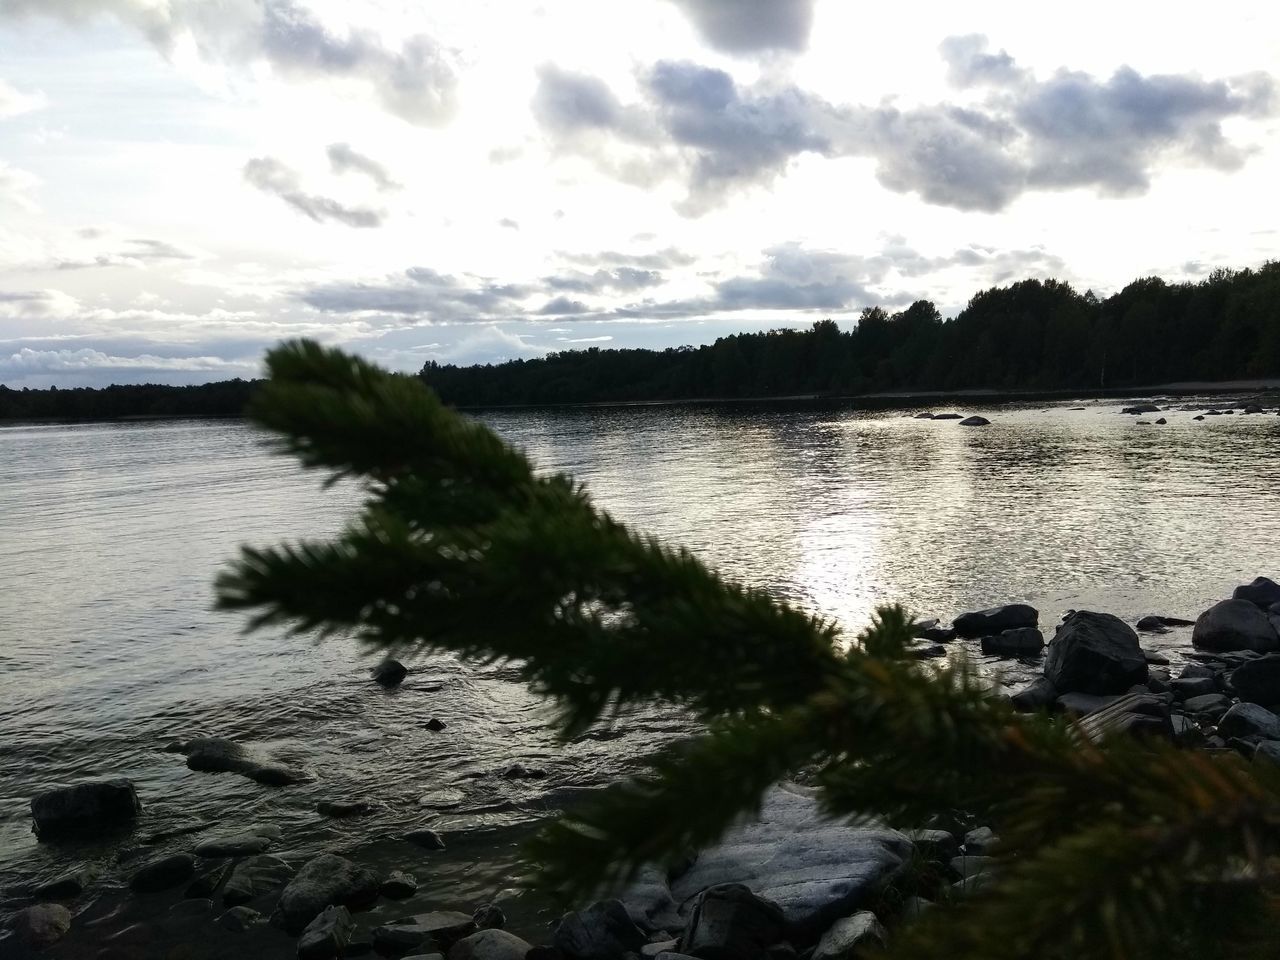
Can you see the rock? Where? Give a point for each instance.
(967, 867)
(1143, 423)
(66, 887)
(240, 919)
(399, 886)
(934, 844)
(1155, 659)
(324, 881)
(326, 935)
(1268, 752)
(389, 673)
(1020, 642)
(603, 931)
(208, 879)
(937, 634)
(927, 652)
(435, 725)
(1083, 704)
(440, 929)
(978, 842)
(1184, 689)
(1162, 422)
(975, 422)
(1252, 408)
(649, 902)
(729, 921)
(163, 873)
(1249, 720)
(1141, 408)
(847, 938)
(91, 805)
(1235, 625)
(1263, 592)
(1199, 416)
(340, 809)
(1194, 670)
(255, 877)
(947, 416)
(1184, 730)
(244, 844)
(518, 771)
(426, 838)
(490, 945)
(216, 755)
(662, 946)
(983, 623)
(1258, 681)
(1155, 624)
(41, 925)
(1212, 704)
(489, 917)
(192, 908)
(815, 868)
(1039, 694)
(1094, 653)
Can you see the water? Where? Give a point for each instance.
(110, 536)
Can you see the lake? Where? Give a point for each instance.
(112, 534)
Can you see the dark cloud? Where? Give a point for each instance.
(425, 293)
(416, 82)
(619, 278)
(271, 176)
(562, 307)
(343, 158)
(698, 125)
(751, 26)
(657, 260)
(138, 252)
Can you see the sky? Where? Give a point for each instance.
(184, 183)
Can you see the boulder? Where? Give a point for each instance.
(324, 881)
(1039, 694)
(1185, 689)
(68, 886)
(435, 725)
(603, 931)
(217, 755)
(1249, 720)
(325, 937)
(1210, 704)
(1258, 681)
(255, 877)
(1193, 670)
(208, 879)
(815, 868)
(979, 841)
(848, 938)
(246, 843)
(439, 929)
(983, 623)
(1141, 408)
(1019, 642)
(163, 873)
(399, 885)
(934, 844)
(1263, 592)
(1094, 653)
(1154, 624)
(340, 809)
(975, 422)
(937, 634)
(389, 673)
(1235, 625)
(1162, 422)
(240, 919)
(489, 917)
(968, 867)
(649, 902)
(729, 922)
(426, 838)
(1268, 752)
(947, 416)
(490, 945)
(91, 805)
(1083, 704)
(41, 925)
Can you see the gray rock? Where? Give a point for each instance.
(603, 931)
(975, 421)
(729, 921)
(978, 842)
(1185, 730)
(489, 917)
(91, 805)
(1019, 642)
(426, 838)
(68, 886)
(435, 725)
(1141, 408)
(1094, 653)
(937, 634)
(518, 771)
(399, 885)
(662, 946)
(326, 935)
(649, 902)
(970, 866)
(1249, 720)
(344, 808)
(1195, 670)
(815, 868)
(848, 938)
(1155, 624)
(42, 924)
(983, 623)
(440, 929)
(1211, 704)
(243, 844)
(163, 873)
(240, 919)
(1258, 681)
(216, 755)
(1039, 694)
(255, 877)
(490, 945)
(208, 879)
(389, 673)
(1235, 625)
(1268, 752)
(1083, 704)
(324, 881)
(934, 844)
(1184, 689)
(947, 416)
(192, 908)
(1263, 592)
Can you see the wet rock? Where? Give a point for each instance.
(1185, 730)
(1155, 659)
(399, 885)
(326, 935)
(163, 873)
(1184, 689)
(426, 838)
(730, 921)
(489, 917)
(1210, 704)
(995, 620)
(850, 937)
(243, 844)
(971, 866)
(42, 924)
(1249, 720)
(602, 931)
(68, 886)
(1258, 681)
(1268, 751)
(435, 725)
(1198, 416)
(208, 879)
(649, 902)
(947, 416)
(652, 949)
(1141, 408)
(937, 634)
(1162, 422)
(815, 868)
(240, 919)
(1020, 642)
(192, 908)
(255, 877)
(975, 422)
(344, 808)
(1235, 625)
(1083, 704)
(389, 673)
(1039, 694)
(978, 842)
(490, 944)
(518, 771)
(934, 844)
(1094, 653)
(1155, 624)
(324, 881)
(1263, 592)
(1193, 670)
(92, 805)
(216, 755)
(440, 928)
(929, 651)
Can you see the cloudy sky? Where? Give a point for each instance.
(185, 182)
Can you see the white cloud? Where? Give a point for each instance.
(14, 102)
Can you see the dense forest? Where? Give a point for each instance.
(224, 399)
(1033, 335)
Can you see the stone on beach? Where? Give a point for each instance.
(602, 931)
(389, 673)
(42, 924)
(1235, 625)
(848, 937)
(399, 885)
(1262, 592)
(440, 929)
(255, 877)
(243, 843)
(93, 804)
(491, 944)
(218, 755)
(975, 422)
(1258, 681)
(995, 620)
(1019, 642)
(163, 873)
(324, 881)
(325, 937)
(1039, 694)
(1095, 653)
(1249, 720)
(728, 920)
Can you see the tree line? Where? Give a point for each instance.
(226, 398)
(1031, 335)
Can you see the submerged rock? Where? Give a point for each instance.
(1039, 694)
(1155, 624)
(91, 805)
(242, 844)
(42, 924)
(489, 917)
(163, 873)
(344, 808)
(426, 838)
(1095, 653)
(1235, 625)
(255, 877)
(399, 885)
(218, 755)
(730, 921)
(982, 623)
(1019, 642)
(240, 919)
(68, 886)
(389, 673)
(324, 881)
(975, 422)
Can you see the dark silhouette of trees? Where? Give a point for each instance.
(226, 398)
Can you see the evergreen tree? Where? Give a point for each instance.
(1121, 849)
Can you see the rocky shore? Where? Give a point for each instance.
(791, 883)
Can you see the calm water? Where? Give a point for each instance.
(110, 536)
